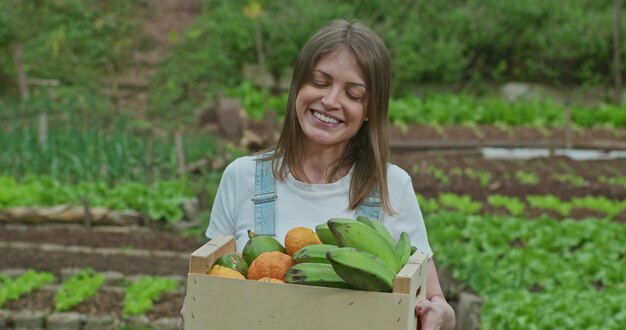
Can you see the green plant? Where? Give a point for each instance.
(161, 200)
(456, 171)
(252, 100)
(77, 289)
(141, 294)
(460, 203)
(530, 272)
(601, 204)
(526, 178)
(427, 205)
(79, 147)
(549, 202)
(482, 176)
(574, 180)
(72, 40)
(439, 174)
(513, 204)
(613, 180)
(13, 289)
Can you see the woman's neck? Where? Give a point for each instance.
(316, 163)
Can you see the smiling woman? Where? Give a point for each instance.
(331, 160)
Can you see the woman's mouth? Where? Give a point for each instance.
(325, 119)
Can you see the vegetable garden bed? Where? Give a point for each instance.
(123, 254)
(556, 186)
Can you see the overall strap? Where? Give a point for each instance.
(370, 207)
(264, 197)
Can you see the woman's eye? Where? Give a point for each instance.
(318, 83)
(353, 97)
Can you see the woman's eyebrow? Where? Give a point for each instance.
(331, 77)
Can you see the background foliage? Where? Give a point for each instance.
(473, 43)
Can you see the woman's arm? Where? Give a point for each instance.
(435, 312)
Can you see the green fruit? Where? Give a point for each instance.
(350, 233)
(258, 244)
(233, 261)
(378, 226)
(324, 234)
(403, 248)
(315, 253)
(361, 269)
(316, 274)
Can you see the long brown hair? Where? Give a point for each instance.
(368, 149)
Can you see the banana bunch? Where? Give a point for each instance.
(357, 254)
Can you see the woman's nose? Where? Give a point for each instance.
(329, 101)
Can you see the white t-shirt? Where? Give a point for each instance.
(308, 205)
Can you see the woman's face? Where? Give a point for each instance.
(331, 106)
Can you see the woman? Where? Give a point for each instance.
(331, 158)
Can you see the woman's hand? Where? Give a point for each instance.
(434, 313)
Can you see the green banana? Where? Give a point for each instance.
(378, 226)
(324, 234)
(403, 248)
(362, 270)
(350, 233)
(313, 253)
(316, 274)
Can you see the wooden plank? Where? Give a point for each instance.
(223, 303)
(204, 257)
(411, 280)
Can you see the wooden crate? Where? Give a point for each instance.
(223, 303)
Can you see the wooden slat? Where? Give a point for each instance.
(204, 257)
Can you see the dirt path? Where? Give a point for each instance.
(162, 21)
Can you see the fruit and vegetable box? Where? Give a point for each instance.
(230, 302)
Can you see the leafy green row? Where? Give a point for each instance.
(107, 147)
(456, 109)
(521, 176)
(13, 289)
(78, 288)
(447, 109)
(516, 206)
(536, 274)
(141, 294)
(161, 200)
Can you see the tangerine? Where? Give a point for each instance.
(272, 264)
(299, 237)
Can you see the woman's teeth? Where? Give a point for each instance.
(324, 118)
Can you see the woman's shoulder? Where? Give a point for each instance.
(396, 174)
(241, 164)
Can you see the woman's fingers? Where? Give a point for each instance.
(430, 317)
(422, 307)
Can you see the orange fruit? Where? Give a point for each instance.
(222, 271)
(299, 237)
(272, 264)
(270, 280)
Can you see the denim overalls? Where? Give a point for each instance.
(265, 200)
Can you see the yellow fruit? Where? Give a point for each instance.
(299, 237)
(272, 264)
(270, 280)
(221, 271)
